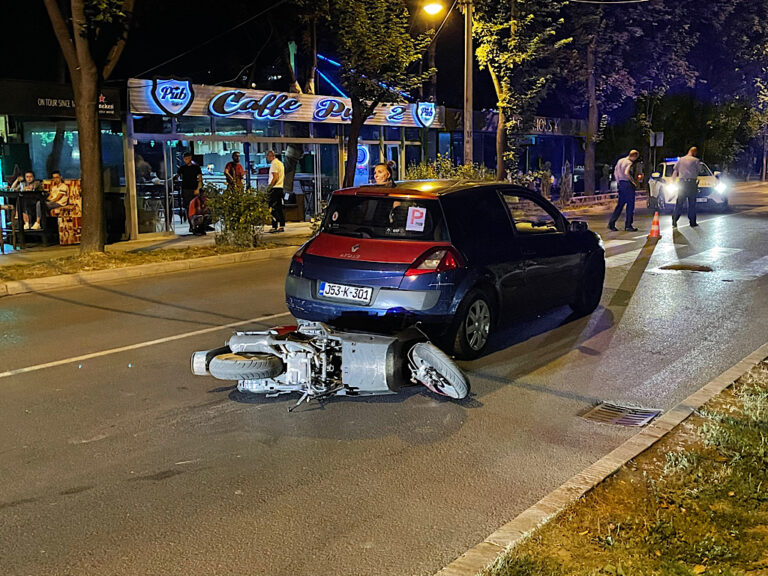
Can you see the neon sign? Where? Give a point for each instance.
(396, 113)
(332, 108)
(424, 112)
(270, 106)
(172, 96)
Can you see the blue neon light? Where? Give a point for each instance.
(676, 159)
(339, 90)
(333, 62)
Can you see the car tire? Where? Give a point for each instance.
(472, 327)
(245, 366)
(590, 287)
(661, 205)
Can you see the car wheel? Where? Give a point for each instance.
(473, 325)
(661, 205)
(591, 286)
(245, 366)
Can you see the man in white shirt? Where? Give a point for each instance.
(626, 183)
(687, 170)
(275, 189)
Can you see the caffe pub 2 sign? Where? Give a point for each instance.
(176, 97)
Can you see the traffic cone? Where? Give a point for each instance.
(655, 230)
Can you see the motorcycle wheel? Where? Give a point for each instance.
(448, 379)
(245, 366)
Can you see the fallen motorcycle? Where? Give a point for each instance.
(319, 362)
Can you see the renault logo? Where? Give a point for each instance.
(356, 247)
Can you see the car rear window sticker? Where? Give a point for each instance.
(417, 218)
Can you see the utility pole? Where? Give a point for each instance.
(468, 60)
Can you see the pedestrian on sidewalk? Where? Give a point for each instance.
(234, 172)
(275, 190)
(687, 172)
(627, 184)
(191, 177)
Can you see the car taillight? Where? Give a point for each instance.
(437, 259)
(298, 257)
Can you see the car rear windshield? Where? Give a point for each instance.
(386, 218)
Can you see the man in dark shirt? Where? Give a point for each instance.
(191, 181)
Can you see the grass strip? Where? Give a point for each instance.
(695, 503)
(110, 260)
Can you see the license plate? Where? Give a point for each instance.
(346, 293)
(701, 199)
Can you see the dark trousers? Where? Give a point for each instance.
(187, 195)
(689, 189)
(276, 205)
(626, 198)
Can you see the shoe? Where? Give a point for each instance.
(281, 229)
(694, 225)
(26, 225)
(36, 226)
(210, 229)
(612, 228)
(630, 229)
(674, 223)
(273, 230)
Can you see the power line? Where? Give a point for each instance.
(240, 25)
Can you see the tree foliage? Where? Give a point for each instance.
(376, 51)
(516, 42)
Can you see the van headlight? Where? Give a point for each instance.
(720, 188)
(673, 188)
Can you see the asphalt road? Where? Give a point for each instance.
(115, 460)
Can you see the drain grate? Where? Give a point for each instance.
(608, 413)
(688, 267)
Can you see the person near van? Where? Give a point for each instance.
(687, 170)
(627, 184)
(275, 189)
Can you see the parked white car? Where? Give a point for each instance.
(713, 192)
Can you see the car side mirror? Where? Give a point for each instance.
(656, 175)
(579, 226)
(717, 173)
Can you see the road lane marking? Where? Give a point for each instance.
(629, 257)
(751, 271)
(613, 243)
(709, 256)
(138, 345)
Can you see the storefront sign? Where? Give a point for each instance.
(179, 98)
(51, 100)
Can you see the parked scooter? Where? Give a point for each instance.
(318, 362)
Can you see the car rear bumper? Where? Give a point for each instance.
(411, 305)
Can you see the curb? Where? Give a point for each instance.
(142, 270)
(486, 553)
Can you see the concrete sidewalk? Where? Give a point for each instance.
(293, 235)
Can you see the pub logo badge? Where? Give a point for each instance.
(425, 113)
(173, 96)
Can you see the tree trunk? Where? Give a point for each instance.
(350, 166)
(589, 156)
(89, 139)
(501, 129)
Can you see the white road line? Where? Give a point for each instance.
(629, 257)
(613, 243)
(138, 345)
(709, 256)
(752, 271)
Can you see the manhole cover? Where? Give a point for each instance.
(689, 267)
(608, 413)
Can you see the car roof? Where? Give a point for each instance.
(423, 188)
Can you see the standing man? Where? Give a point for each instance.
(191, 182)
(627, 185)
(234, 172)
(687, 170)
(275, 189)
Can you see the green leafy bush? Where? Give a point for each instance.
(443, 167)
(241, 213)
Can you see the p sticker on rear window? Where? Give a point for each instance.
(417, 218)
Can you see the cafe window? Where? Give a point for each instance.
(369, 132)
(324, 130)
(266, 128)
(413, 134)
(193, 125)
(152, 124)
(296, 129)
(392, 133)
(230, 126)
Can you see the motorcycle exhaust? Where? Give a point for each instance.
(202, 359)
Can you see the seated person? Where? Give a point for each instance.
(199, 215)
(58, 194)
(33, 197)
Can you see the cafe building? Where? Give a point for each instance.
(38, 132)
(169, 116)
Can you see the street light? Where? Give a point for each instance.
(433, 8)
(466, 7)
